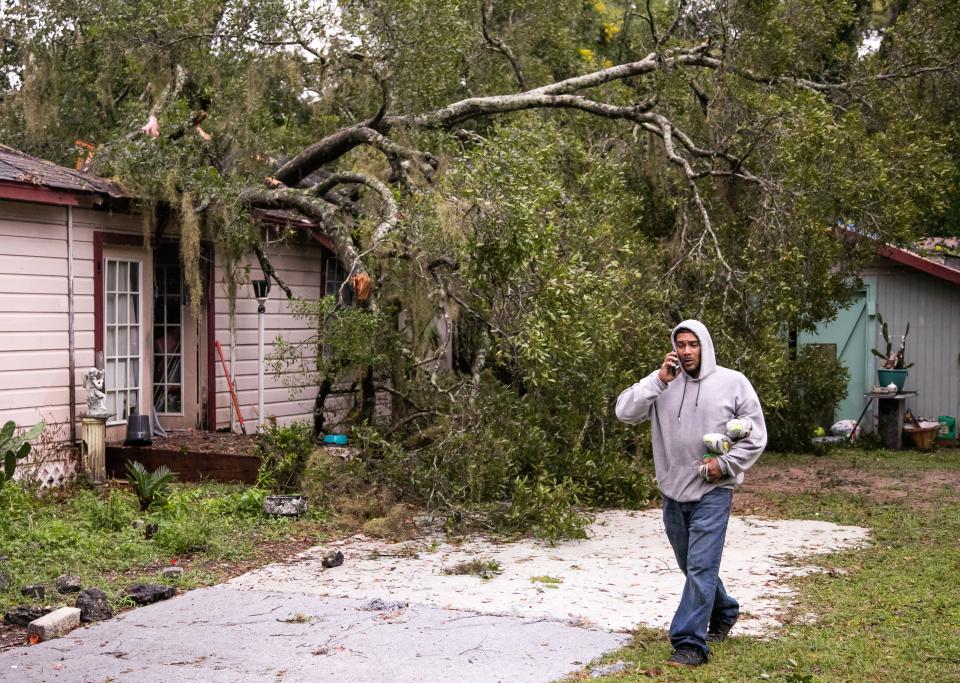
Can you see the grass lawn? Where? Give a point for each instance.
(212, 531)
(887, 612)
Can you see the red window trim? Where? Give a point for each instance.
(102, 239)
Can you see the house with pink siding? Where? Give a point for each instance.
(80, 286)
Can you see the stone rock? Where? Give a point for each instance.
(93, 605)
(147, 593)
(137, 524)
(286, 506)
(151, 529)
(22, 615)
(617, 667)
(68, 584)
(57, 623)
(36, 591)
(332, 558)
(172, 572)
(381, 605)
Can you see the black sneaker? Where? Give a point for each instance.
(687, 656)
(719, 633)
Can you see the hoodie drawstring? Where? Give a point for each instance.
(696, 403)
(683, 396)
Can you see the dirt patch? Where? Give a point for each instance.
(918, 489)
(205, 442)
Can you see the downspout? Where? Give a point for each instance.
(71, 341)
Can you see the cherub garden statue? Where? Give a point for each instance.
(93, 384)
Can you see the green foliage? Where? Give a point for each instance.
(78, 531)
(149, 487)
(812, 386)
(14, 447)
(283, 453)
(548, 508)
(115, 513)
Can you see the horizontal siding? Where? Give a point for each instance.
(300, 268)
(34, 343)
(932, 307)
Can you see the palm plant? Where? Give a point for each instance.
(149, 486)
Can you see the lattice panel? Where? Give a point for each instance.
(49, 473)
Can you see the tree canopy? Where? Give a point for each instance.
(558, 182)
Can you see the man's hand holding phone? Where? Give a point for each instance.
(670, 369)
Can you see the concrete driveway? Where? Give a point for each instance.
(390, 613)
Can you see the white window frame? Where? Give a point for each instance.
(112, 361)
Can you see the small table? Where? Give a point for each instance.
(890, 411)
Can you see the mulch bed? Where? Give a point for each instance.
(206, 442)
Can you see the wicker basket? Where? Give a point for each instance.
(923, 438)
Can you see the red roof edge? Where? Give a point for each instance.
(908, 258)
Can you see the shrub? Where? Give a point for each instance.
(812, 385)
(283, 453)
(149, 486)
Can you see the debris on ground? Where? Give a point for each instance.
(148, 593)
(36, 591)
(332, 558)
(58, 623)
(68, 583)
(381, 605)
(24, 614)
(93, 605)
(172, 572)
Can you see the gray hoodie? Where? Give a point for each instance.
(682, 411)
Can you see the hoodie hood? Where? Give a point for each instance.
(708, 357)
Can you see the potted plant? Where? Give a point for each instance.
(893, 371)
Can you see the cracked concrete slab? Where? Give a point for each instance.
(223, 634)
(623, 575)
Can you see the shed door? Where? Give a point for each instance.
(851, 333)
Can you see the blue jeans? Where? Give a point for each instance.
(697, 531)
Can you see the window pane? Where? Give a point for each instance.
(173, 370)
(111, 309)
(122, 346)
(135, 340)
(173, 310)
(134, 308)
(110, 337)
(122, 374)
(133, 404)
(112, 404)
(110, 375)
(133, 378)
(134, 277)
(111, 283)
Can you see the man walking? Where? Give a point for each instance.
(687, 397)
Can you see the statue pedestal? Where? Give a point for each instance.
(93, 451)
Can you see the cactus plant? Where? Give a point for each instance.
(14, 447)
(892, 361)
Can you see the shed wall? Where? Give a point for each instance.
(932, 307)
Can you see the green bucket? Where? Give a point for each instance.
(948, 428)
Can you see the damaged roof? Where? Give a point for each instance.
(21, 168)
